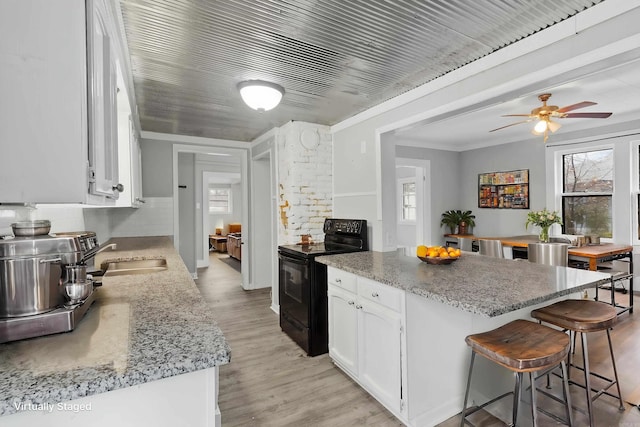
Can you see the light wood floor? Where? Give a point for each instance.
(271, 382)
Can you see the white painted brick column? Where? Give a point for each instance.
(305, 184)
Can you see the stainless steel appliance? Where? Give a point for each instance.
(303, 282)
(43, 284)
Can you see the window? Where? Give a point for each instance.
(408, 199)
(220, 200)
(587, 192)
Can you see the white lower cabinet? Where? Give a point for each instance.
(366, 336)
(343, 329)
(379, 353)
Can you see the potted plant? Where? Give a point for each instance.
(466, 220)
(457, 218)
(543, 219)
(450, 219)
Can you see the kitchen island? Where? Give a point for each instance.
(409, 320)
(146, 353)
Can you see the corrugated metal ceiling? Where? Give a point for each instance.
(334, 58)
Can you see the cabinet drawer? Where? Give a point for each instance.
(342, 279)
(382, 294)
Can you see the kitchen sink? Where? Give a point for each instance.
(142, 266)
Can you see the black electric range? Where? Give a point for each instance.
(303, 282)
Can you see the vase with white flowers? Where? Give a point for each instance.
(543, 219)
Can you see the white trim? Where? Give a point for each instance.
(356, 194)
(635, 191)
(271, 133)
(563, 30)
(378, 150)
(195, 140)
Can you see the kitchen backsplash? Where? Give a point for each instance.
(154, 218)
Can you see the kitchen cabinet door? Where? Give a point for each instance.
(102, 114)
(43, 143)
(379, 353)
(53, 108)
(343, 329)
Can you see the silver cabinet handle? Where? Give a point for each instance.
(338, 281)
(119, 188)
(358, 307)
(374, 294)
(138, 199)
(351, 302)
(44, 261)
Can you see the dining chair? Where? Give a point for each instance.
(549, 253)
(465, 244)
(491, 248)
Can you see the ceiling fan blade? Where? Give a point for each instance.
(516, 115)
(512, 124)
(586, 115)
(575, 106)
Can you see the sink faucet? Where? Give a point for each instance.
(111, 246)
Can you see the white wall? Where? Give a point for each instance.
(500, 158)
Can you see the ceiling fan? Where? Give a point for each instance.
(545, 113)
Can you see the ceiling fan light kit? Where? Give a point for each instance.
(261, 95)
(545, 113)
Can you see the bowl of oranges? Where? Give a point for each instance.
(437, 254)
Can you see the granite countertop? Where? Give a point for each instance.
(478, 284)
(141, 328)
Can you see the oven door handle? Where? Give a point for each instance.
(293, 260)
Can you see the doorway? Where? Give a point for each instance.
(413, 202)
(264, 271)
(190, 235)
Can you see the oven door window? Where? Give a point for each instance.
(295, 288)
(294, 278)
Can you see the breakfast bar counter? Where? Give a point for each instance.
(481, 285)
(149, 341)
(397, 325)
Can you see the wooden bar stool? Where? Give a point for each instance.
(584, 316)
(521, 346)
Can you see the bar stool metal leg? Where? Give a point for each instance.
(565, 391)
(517, 391)
(587, 377)
(466, 393)
(615, 371)
(534, 404)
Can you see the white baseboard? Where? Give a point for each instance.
(275, 309)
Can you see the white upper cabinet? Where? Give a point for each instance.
(58, 110)
(103, 106)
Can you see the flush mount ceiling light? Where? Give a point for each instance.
(260, 95)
